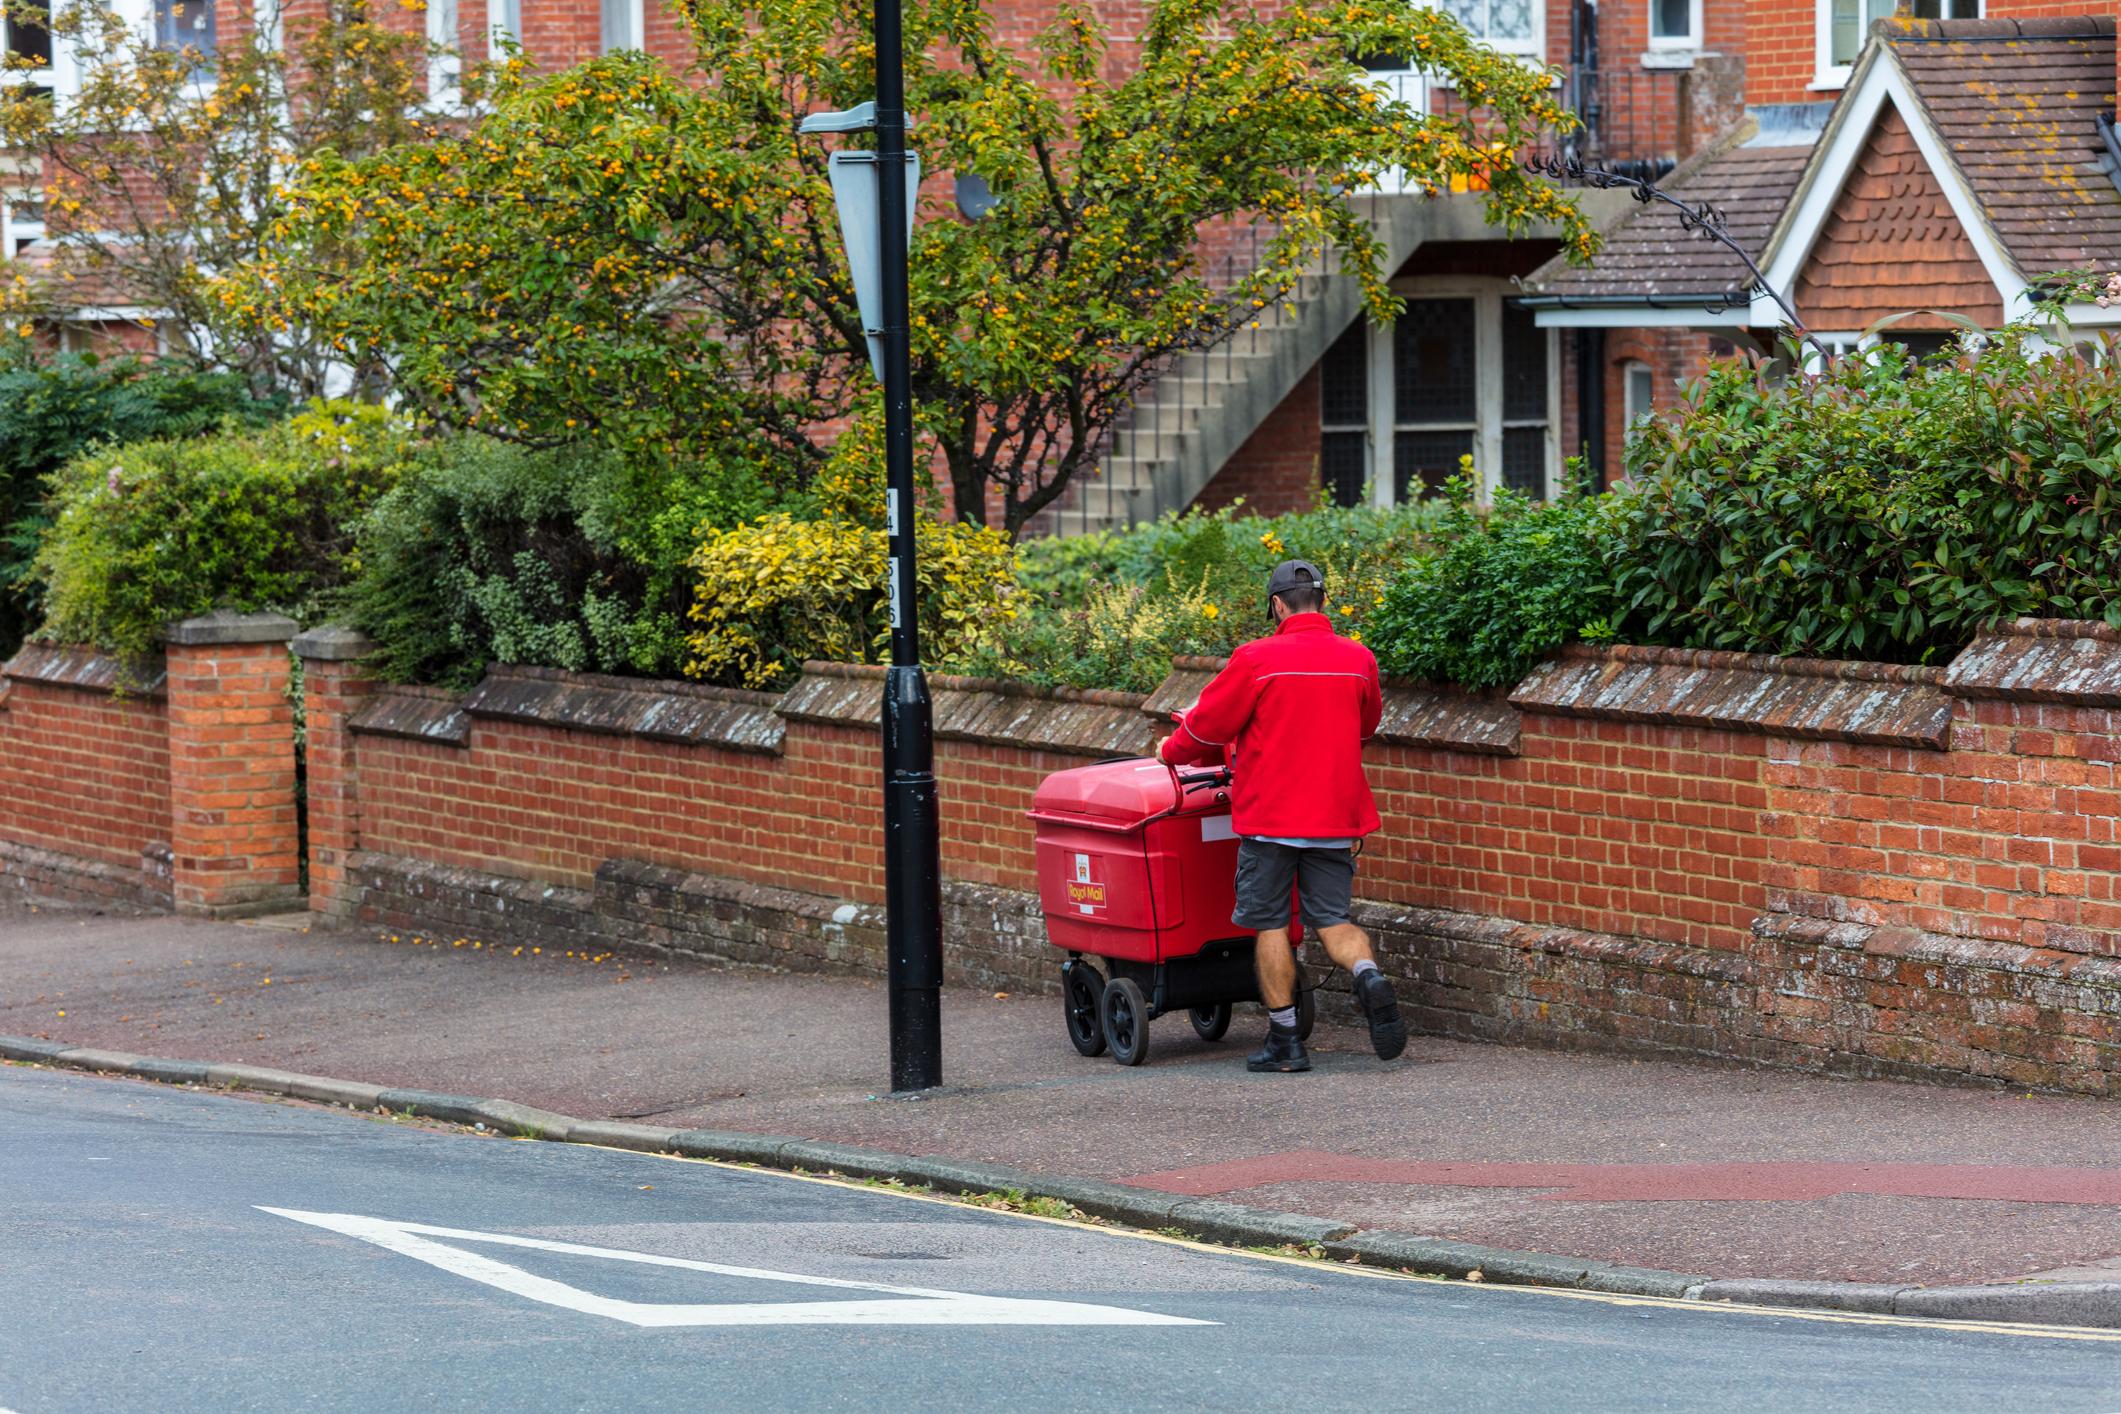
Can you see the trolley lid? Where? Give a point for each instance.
(1112, 795)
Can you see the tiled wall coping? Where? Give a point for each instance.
(2067, 661)
(430, 714)
(1879, 704)
(990, 711)
(1812, 699)
(683, 713)
(88, 670)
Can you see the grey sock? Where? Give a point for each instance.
(1284, 1019)
(1359, 968)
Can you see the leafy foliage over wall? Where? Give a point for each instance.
(573, 558)
(153, 532)
(1885, 508)
(1498, 592)
(53, 410)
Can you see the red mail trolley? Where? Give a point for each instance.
(1136, 871)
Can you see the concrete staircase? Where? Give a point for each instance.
(1195, 417)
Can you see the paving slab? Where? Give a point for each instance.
(1680, 1168)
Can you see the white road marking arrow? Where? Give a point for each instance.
(902, 1306)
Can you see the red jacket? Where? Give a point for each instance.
(1292, 712)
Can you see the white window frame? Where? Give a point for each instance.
(1690, 42)
(46, 77)
(445, 72)
(1487, 294)
(1831, 75)
(637, 26)
(1535, 45)
(1631, 415)
(497, 27)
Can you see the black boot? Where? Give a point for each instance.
(1284, 1051)
(1388, 1034)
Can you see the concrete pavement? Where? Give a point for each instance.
(1690, 1168)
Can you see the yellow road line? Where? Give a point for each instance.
(2021, 1330)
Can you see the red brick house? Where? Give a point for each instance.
(1941, 159)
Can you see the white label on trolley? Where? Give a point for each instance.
(1216, 827)
(1084, 890)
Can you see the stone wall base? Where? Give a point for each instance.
(1837, 998)
(993, 937)
(47, 876)
(1840, 998)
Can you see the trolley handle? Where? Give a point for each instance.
(1213, 780)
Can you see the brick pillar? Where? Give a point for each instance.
(333, 686)
(234, 833)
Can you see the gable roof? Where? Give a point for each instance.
(2017, 103)
(2005, 113)
(1650, 260)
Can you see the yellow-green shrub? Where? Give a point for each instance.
(781, 590)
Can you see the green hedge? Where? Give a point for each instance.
(54, 409)
(1888, 508)
(149, 533)
(1112, 609)
(575, 558)
(1499, 590)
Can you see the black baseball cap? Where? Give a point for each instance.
(1295, 574)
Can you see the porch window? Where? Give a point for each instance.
(1344, 416)
(1637, 396)
(28, 26)
(1465, 371)
(445, 70)
(505, 19)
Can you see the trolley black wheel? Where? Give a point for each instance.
(1306, 1012)
(1082, 988)
(1210, 1022)
(1126, 1016)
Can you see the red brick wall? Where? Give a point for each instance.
(1672, 833)
(1782, 52)
(1276, 470)
(1650, 832)
(1676, 357)
(83, 772)
(549, 804)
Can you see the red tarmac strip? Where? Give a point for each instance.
(1617, 1183)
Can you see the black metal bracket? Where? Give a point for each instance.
(1695, 218)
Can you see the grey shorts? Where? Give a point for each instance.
(1324, 880)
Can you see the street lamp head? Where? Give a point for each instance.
(860, 118)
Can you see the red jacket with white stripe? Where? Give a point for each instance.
(1291, 712)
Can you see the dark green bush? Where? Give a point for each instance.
(1499, 591)
(150, 533)
(52, 410)
(574, 559)
(1886, 508)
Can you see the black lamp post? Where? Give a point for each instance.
(912, 840)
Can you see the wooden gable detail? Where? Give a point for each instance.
(1892, 244)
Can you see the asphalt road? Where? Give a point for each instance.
(170, 1250)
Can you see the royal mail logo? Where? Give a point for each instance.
(1085, 892)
